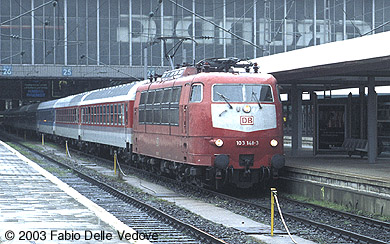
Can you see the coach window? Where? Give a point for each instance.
(126, 118)
(196, 93)
(100, 114)
(111, 116)
(103, 114)
(107, 114)
(96, 114)
(115, 114)
(87, 115)
(119, 114)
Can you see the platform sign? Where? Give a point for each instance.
(66, 71)
(6, 70)
(331, 126)
(35, 89)
(151, 72)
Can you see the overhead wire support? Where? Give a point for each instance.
(218, 26)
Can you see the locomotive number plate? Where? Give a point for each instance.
(244, 143)
(247, 120)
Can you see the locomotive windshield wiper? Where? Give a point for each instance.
(257, 100)
(225, 99)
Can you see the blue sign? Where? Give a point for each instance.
(66, 71)
(7, 70)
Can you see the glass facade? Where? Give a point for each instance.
(116, 32)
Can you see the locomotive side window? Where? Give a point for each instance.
(143, 98)
(196, 93)
(157, 107)
(149, 106)
(160, 106)
(167, 95)
(174, 107)
(141, 112)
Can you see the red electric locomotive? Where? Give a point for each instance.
(213, 128)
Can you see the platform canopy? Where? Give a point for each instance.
(358, 62)
(341, 64)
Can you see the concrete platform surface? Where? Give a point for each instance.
(36, 207)
(342, 164)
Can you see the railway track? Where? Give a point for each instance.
(345, 226)
(144, 218)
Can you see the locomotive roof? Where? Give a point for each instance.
(212, 76)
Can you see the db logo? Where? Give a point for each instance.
(246, 120)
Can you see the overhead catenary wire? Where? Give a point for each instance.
(109, 66)
(218, 26)
(25, 13)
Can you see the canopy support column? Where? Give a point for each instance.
(296, 133)
(372, 121)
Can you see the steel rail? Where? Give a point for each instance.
(327, 227)
(202, 235)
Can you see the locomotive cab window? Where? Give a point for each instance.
(242, 93)
(196, 93)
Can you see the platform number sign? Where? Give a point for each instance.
(66, 71)
(6, 70)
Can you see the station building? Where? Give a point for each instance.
(51, 49)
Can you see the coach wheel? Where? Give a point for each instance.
(180, 177)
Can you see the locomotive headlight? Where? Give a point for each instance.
(273, 143)
(219, 143)
(246, 108)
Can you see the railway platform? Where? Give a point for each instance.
(36, 207)
(349, 181)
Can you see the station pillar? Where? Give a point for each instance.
(372, 121)
(296, 133)
(362, 97)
